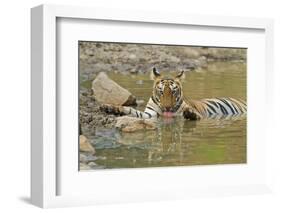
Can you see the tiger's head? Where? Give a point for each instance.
(167, 91)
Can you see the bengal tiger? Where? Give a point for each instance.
(167, 100)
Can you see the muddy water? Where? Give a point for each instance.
(178, 142)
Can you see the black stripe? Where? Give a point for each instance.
(148, 107)
(210, 113)
(237, 110)
(137, 113)
(234, 106)
(238, 103)
(176, 108)
(141, 114)
(222, 109)
(157, 99)
(148, 114)
(211, 107)
(213, 102)
(224, 101)
(154, 100)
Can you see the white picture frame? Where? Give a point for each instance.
(45, 178)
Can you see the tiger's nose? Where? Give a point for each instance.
(168, 109)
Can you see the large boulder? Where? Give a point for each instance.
(132, 124)
(107, 91)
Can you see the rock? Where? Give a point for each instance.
(87, 157)
(98, 45)
(85, 146)
(107, 91)
(84, 166)
(132, 124)
(92, 164)
(132, 56)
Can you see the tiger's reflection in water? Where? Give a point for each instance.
(178, 142)
(163, 142)
(169, 140)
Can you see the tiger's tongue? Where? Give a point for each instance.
(168, 114)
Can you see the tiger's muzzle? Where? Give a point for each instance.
(167, 100)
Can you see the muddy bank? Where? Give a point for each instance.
(91, 117)
(98, 57)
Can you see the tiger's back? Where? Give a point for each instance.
(218, 107)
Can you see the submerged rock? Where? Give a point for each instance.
(86, 157)
(106, 91)
(85, 146)
(132, 124)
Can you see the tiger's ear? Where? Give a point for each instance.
(154, 74)
(180, 75)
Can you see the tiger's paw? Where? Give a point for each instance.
(190, 114)
(111, 109)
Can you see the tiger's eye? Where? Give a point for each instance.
(175, 91)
